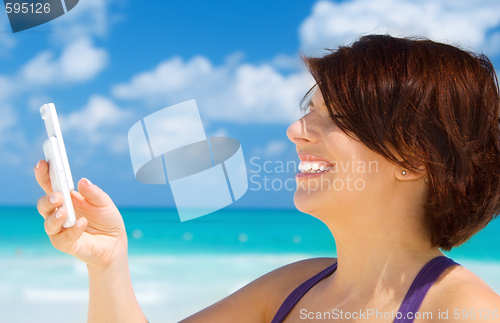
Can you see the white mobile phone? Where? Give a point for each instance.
(55, 155)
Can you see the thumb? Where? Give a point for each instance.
(93, 194)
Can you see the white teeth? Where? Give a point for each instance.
(313, 167)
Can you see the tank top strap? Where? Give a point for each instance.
(420, 286)
(300, 291)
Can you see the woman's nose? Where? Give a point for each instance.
(301, 132)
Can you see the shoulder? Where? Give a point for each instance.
(276, 285)
(300, 270)
(465, 297)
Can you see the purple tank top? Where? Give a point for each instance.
(411, 303)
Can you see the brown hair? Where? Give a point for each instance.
(432, 103)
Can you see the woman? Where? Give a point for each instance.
(400, 156)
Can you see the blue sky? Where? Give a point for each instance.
(107, 64)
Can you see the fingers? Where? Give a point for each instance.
(42, 176)
(48, 203)
(54, 223)
(93, 194)
(66, 240)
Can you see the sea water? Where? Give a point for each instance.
(178, 268)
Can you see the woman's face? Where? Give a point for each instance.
(339, 174)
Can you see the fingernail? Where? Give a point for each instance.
(58, 214)
(88, 183)
(54, 199)
(37, 164)
(79, 223)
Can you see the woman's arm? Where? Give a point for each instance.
(99, 239)
(111, 295)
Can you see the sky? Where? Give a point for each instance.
(107, 64)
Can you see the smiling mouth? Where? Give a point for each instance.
(306, 167)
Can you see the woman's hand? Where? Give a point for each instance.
(99, 235)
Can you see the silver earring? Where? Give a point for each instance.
(403, 172)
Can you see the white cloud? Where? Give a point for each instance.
(99, 111)
(463, 23)
(168, 77)
(274, 148)
(40, 69)
(288, 62)
(100, 121)
(220, 132)
(87, 18)
(230, 92)
(80, 61)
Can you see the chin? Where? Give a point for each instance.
(308, 203)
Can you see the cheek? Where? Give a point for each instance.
(338, 193)
(371, 173)
(353, 157)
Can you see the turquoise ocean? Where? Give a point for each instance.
(178, 268)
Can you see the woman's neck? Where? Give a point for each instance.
(380, 253)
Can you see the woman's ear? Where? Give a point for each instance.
(406, 174)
